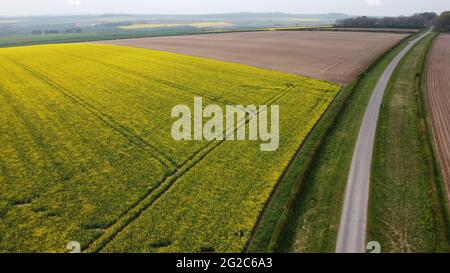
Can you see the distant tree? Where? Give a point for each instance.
(429, 18)
(73, 30)
(51, 31)
(36, 32)
(443, 22)
(121, 23)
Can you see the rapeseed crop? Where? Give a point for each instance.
(86, 149)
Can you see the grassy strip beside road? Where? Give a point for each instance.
(304, 212)
(405, 211)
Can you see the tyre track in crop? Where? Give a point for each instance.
(168, 163)
(161, 188)
(153, 79)
(136, 140)
(157, 190)
(171, 85)
(289, 88)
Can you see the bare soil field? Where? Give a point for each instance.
(438, 97)
(327, 55)
(383, 30)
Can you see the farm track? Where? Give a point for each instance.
(437, 85)
(164, 159)
(152, 196)
(352, 229)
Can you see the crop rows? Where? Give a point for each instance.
(438, 97)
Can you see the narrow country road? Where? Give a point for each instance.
(352, 230)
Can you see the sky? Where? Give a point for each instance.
(353, 7)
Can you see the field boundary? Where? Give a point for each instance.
(289, 186)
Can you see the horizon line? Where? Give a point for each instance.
(199, 14)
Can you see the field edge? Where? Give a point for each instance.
(272, 222)
(440, 183)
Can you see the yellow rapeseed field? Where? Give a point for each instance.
(87, 154)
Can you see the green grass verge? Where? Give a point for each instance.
(304, 211)
(406, 212)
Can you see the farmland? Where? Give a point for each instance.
(327, 55)
(17, 31)
(438, 98)
(87, 154)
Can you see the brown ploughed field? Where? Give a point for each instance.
(327, 55)
(438, 97)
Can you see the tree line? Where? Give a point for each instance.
(443, 22)
(54, 31)
(416, 21)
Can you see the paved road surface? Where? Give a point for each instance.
(352, 230)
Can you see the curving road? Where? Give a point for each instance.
(352, 230)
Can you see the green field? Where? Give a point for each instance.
(407, 212)
(87, 153)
